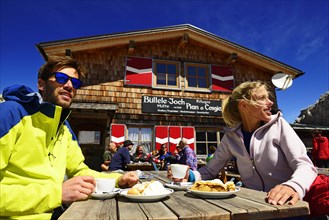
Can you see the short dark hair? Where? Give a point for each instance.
(55, 63)
(316, 132)
(212, 149)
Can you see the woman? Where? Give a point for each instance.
(269, 154)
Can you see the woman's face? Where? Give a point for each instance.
(259, 110)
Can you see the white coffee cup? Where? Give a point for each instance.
(178, 170)
(104, 185)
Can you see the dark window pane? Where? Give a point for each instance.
(212, 136)
(201, 148)
(201, 71)
(202, 83)
(161, 68)
(200, 136)
(172, 80)
(161, 79)
(171, 69)
(191, 71)
(192, 82)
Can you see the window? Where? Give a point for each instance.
(167, 73)
(89, 137)
(141, 136)
(204, 139)
(197, 76)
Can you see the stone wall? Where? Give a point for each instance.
(316, 114)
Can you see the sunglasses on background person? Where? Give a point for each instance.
(62, 78)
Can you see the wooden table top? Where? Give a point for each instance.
(141, 166)
(324, 171)
(246, 204)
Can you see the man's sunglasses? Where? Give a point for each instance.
(62, 78)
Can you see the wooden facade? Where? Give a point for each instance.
(106, 99)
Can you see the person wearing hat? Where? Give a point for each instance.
(122, 157)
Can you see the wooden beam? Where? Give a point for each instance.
(231, 59)
(183, 41)
(131, 48)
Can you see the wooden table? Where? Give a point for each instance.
(324, 171)
(141, 166)
(247, 204)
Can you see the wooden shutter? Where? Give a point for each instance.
(222, 78)
(138, 71)
(118, 133)
(188, 134)
(161, 136)
(174, 137)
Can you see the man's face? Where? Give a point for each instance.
(112, 148)
(56, 93)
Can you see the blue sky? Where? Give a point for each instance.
(294, 32)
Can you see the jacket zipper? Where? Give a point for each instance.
(255, 170)
(253, 165)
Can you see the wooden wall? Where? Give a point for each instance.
(106, 70)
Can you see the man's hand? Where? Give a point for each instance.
(77, 188)
(280, 194)
(128, 180)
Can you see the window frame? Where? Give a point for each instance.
(140, 141)
(207, 67)
(155, 74)
(219, 135)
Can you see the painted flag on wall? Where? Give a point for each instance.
(138, 71)
(174, 137)
(188, 135)
(222, 78)
(161, 136)
(118, 133)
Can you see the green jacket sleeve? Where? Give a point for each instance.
(76, 167)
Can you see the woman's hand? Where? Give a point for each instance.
(170, 176)
(128, 180)
(280, 194)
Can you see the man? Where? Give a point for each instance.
(186, 155)
(139, 155)
(38, 147)
(108, 154)
(122, 157)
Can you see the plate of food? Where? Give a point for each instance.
(146, 192)
(213, 189)
(179, 185)
(105, 195)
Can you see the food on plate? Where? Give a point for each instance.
(215, 185)
(147, 189)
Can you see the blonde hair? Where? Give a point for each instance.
(244, 91)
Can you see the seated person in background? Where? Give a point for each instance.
(108, 154)
(153, 156)
(139, 155)
(165, 157)
(212, 150)
(186, 155)
(122, 157)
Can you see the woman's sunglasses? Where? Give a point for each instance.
(62, 78)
